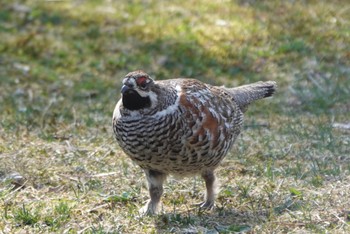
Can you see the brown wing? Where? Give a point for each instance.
(212, 117)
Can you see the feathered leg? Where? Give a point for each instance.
(155, 186)
(210, 183)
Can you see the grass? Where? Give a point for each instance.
(61, 66)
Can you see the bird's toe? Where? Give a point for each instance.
(149, 209)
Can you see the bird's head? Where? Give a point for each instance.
(137, 91)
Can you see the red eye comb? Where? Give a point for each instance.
(141, 80)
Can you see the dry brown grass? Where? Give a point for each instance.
(61, 64)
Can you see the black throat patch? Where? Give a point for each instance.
(133, 101)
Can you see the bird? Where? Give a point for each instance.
(181, 127)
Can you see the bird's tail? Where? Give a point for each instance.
(246, 94)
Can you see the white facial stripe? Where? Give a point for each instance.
(116, 112)
(154, 99)
(170, 109)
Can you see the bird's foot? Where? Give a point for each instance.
(206, 205)
(151, 208)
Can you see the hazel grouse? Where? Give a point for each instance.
(181, 127)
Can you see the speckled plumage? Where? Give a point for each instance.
(180, 127)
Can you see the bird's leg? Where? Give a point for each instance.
(155, 186)
(210, 183)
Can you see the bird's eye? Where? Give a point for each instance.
(143, 85)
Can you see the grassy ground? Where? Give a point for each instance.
(61, 66)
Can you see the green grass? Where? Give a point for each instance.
(61, 67)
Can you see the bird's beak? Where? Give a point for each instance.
(124, 89)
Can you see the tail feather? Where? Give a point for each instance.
(246, 94)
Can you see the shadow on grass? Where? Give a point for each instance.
(222, 220)
(231, 214)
